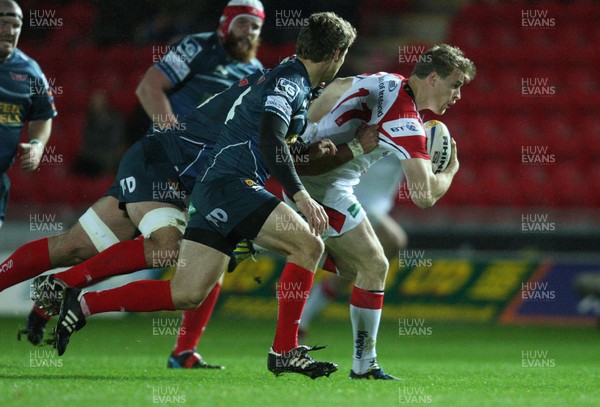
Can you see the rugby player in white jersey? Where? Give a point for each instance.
(391, 102)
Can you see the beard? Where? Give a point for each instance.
(241, 48)
(4, 53)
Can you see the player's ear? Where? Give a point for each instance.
(433, 78)
(337, 55)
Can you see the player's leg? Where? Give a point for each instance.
(302, 251)
(193, 325)
(393, 239)
(161, 225)
(322, 294)
(198, 269)
(154, 205)
(390, 233)
(286, 232)
(103, 225)
(361, 248)
(100, 227)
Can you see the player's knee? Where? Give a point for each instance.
(381, 266)
(167, 240)
(191, 300)
(375, 268)
(312, 246)
(67, 249)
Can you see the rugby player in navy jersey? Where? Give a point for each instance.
(201, 65)
(229, 203)
(25, 96)
(196, 67)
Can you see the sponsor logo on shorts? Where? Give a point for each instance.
(217, 216)
(354, 209)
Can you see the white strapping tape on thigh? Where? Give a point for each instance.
(100, 234)
(160, 218)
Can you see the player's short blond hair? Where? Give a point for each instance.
(323, 34)
(444, 59)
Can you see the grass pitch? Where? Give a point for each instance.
(122, 362)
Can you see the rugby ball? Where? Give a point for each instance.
(438, 144)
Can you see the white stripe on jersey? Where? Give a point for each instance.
(219, 153)
(193, 162)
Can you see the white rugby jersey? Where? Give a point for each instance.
(380, 99)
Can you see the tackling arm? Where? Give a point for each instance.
(276, 153)
(367, 138)
(278, 160)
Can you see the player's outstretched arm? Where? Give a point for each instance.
(277, 158)
(367, 138)
(425, 187)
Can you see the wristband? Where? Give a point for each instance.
(356, 148)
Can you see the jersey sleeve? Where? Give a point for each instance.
(283, 97)
(42, 101)
(405, 137)
(185, 58)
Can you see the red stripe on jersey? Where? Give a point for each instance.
(404, 108)
(366, 299)
(361, 92)
(363, 114)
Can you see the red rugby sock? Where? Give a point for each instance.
(27, 261)
(139, 296)
(292, 292)
(121, 258)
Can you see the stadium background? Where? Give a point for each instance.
(521, 219)
(507, 246)
(510, 242)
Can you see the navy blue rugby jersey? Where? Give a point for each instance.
(188, 147)
(198, 67)
(25, 95)
(284, 91)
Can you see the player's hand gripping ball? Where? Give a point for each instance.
(438, 144)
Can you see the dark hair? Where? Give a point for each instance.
(324, 33)
(443, 59)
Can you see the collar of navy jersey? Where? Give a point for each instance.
(294, 59)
